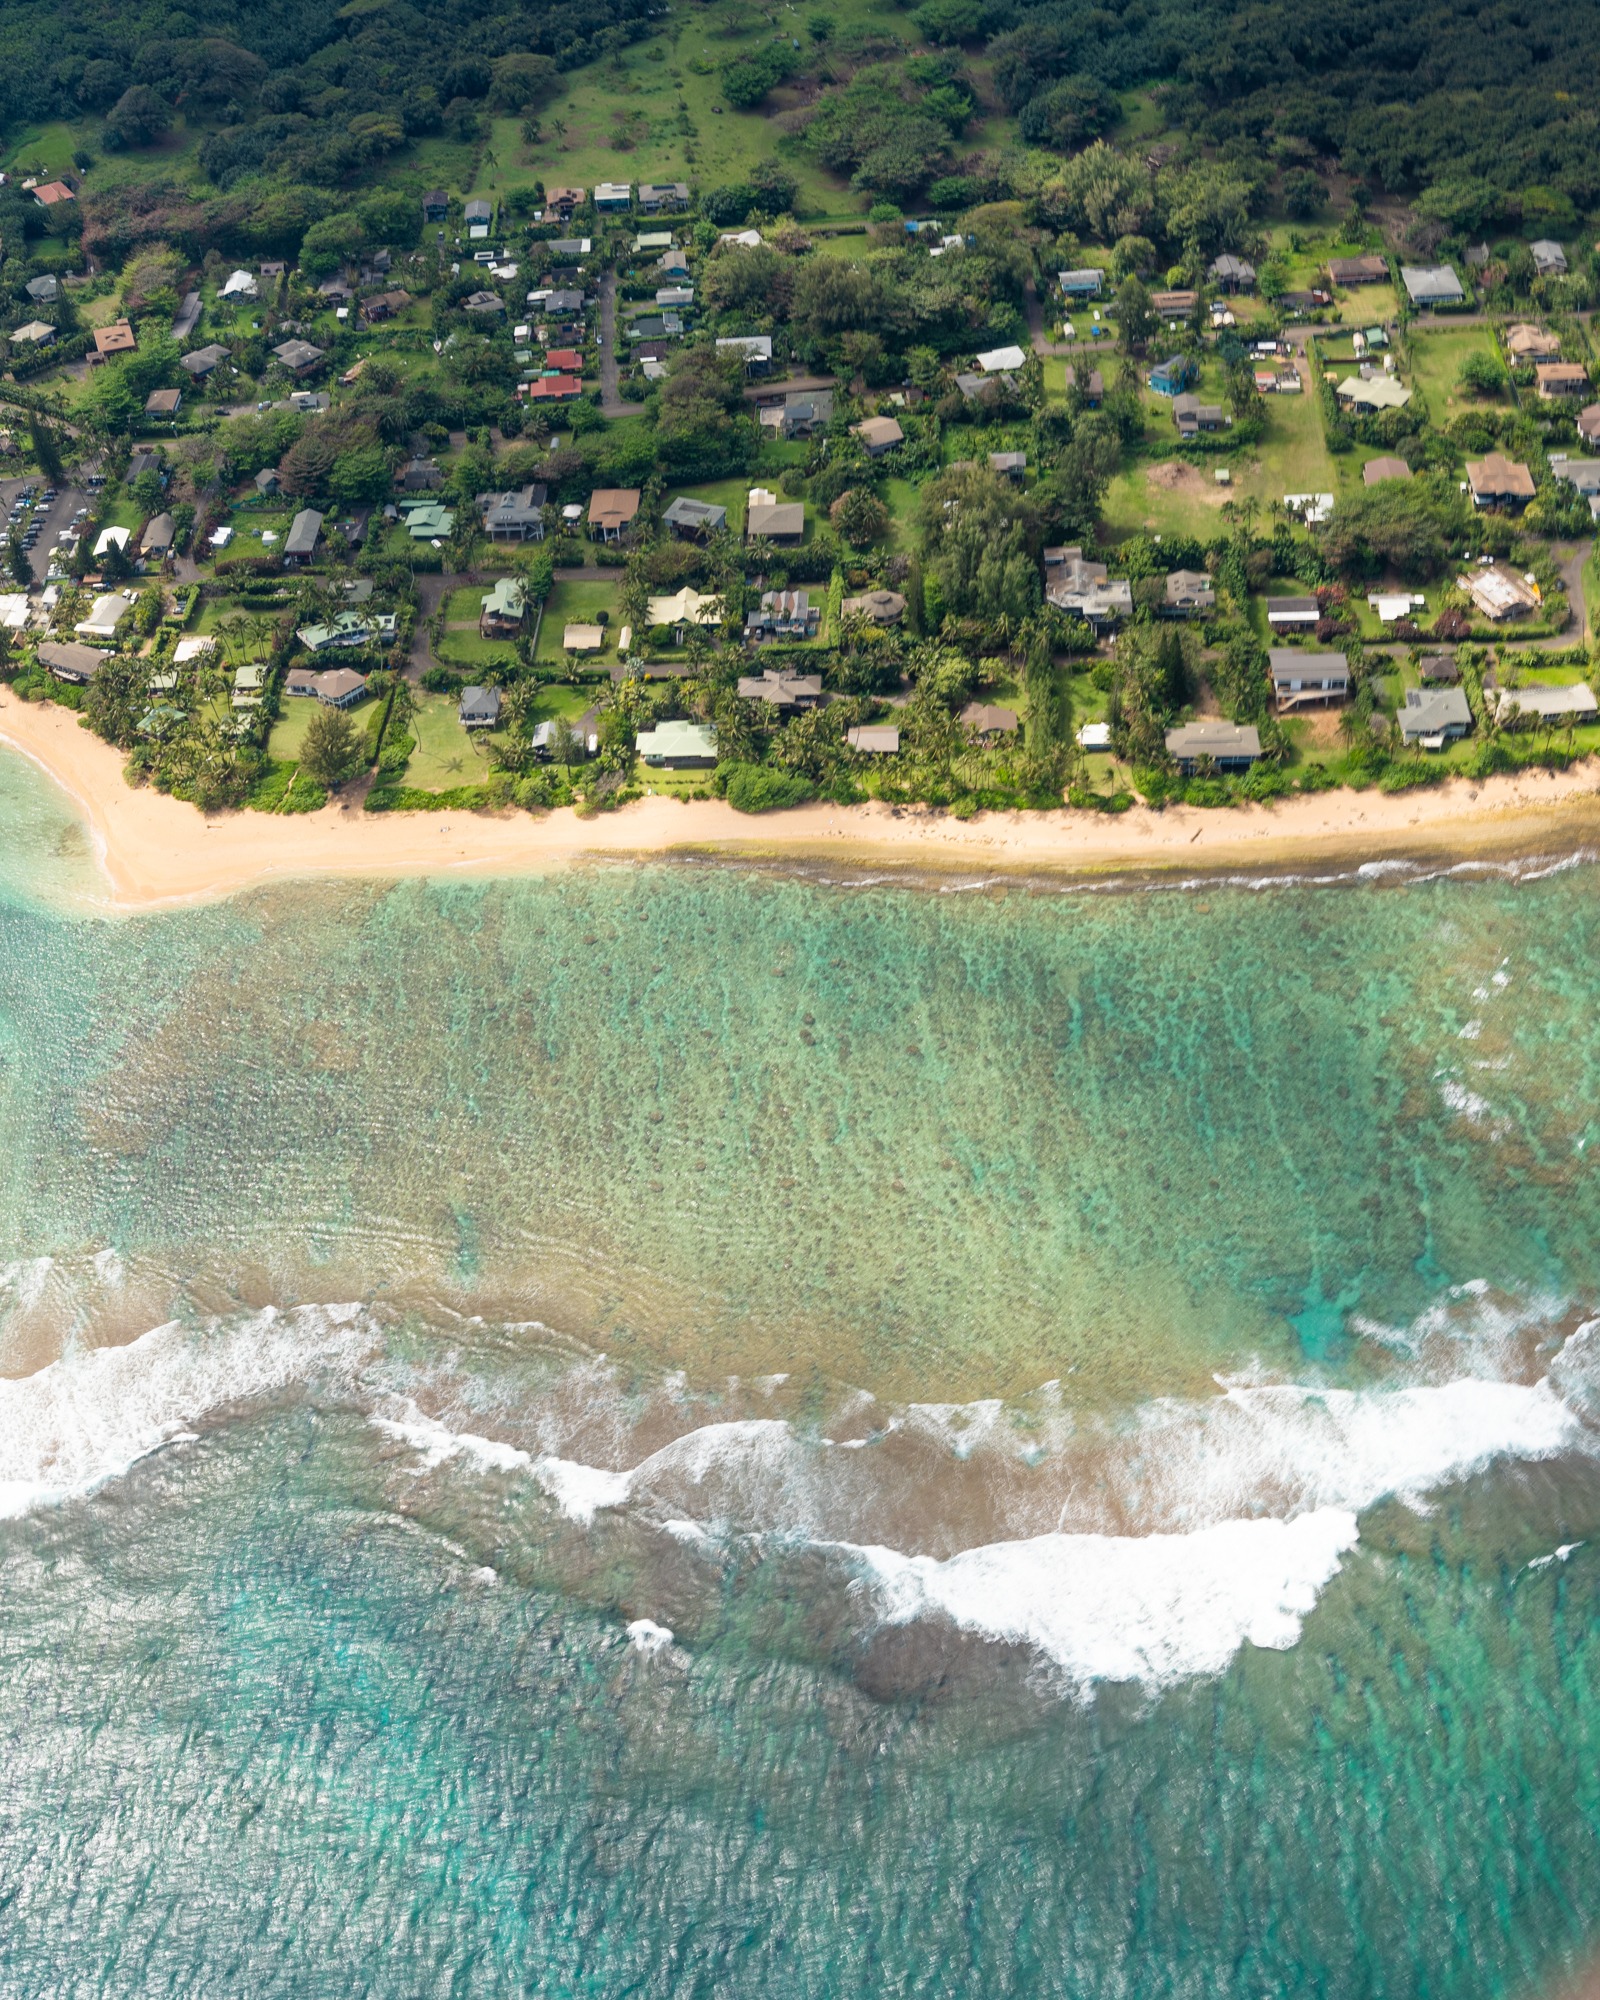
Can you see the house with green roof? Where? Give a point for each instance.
(679, 746)
(504, 609)
(428, 520)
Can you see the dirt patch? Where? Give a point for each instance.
(1173, 476)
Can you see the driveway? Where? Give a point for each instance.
(432, 590)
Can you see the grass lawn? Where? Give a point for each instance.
(470, 650)
(462, 606)
(1436, 355)
(289, 731)
(45, 149)
(445, 755)
(577, 604)
(1177, 497)
(902, 500)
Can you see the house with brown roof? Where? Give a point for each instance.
(612, 510)
(1365, 270)
(163, 402)
(1093, 385)
(878, 607)
(1589, 423)
(988, 720)
(1188, 592)
(1525, 342)
(1499, 482)
(52, 192)
(1556, 380)
(878, 435)
(384, 305)
(339, 687)
(114, 339)
(1174, 305)
(779, 688)
(1377, 470)
(560, 203)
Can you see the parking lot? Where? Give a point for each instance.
(38, 513)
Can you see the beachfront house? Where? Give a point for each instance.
(679, 746)
(480, 708)
(1219, 746)
(1433, 717)
(1307, 680)
(1538, 704)
(69, 661)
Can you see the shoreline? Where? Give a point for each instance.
(156, 852)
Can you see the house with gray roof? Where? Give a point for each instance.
(480, 708)
(1226, 746)
(516, 516)
(300, 544)
(1307, 680)
(1433, 717)
(690, 518)
(1430, 286)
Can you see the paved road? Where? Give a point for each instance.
(790, 385)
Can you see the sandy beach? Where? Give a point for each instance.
(156, 851)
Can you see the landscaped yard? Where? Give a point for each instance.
(446, 755)
(289, 731)
(577, 604)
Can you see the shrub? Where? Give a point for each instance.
(757, 788)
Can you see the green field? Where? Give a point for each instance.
(1177, 496)
(1436, 356)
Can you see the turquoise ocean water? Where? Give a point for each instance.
(681, 1430)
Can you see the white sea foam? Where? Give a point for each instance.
(94, 1413)
(1152, 1608)
(582, 1491)
(648, 1637)
(435, 1443)
(1563, 1554)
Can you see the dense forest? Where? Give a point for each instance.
(1494, 108)
(304, 90)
